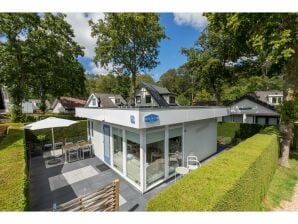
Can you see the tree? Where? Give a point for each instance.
(54, 65)
(14, 69)
(129, 41)
(207, 62)
(38, 57)
(272, 37)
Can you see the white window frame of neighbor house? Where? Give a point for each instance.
(117, 101)
(138, 100)
(172, 98)
(93, 101)
(148, 97)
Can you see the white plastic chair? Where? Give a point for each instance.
(192, 162)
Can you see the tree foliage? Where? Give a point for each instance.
(38, 57)
(128, 41)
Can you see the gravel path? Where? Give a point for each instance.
(290, 205)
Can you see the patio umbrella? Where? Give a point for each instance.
(50, 122)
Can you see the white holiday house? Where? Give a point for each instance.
(145, 145)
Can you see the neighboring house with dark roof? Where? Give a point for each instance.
(65, 104)
(149, 95)
(256, 107)
(106, 100)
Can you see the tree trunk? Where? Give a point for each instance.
(287, 133)
(43, 105)
(133, 86)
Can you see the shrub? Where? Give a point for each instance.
(74, 132)
(13, 171)
(237, 131)
(236, 180)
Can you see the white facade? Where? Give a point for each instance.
(146, 151)
(27, 107)
(247, 111)
(141, 95)
(59, 108)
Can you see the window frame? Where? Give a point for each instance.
(148, 97)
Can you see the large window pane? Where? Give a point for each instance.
(133, 156)
(155, 165)
(175, 149)
(118, 149)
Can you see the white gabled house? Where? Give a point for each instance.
(256, 108)
(107, 100)
(149, 95)
(145, 145)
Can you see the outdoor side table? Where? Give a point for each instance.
(181, 170)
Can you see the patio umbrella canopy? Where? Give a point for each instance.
(50, 122)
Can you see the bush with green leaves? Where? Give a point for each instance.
(236, 180)
(74, 132)
(237, 132)
(13, 171)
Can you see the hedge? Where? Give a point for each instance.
(236, 180)
(75, 132)
(236, 132)
(13, 171)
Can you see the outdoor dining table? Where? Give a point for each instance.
(76, 148)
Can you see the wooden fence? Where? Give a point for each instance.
(105, 199)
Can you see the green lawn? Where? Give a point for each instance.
(282, 185)
(13, 175)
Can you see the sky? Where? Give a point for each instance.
(183, 29)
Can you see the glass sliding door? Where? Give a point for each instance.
(117, 149)
(133, 156)
(155, 163)
(175, 149)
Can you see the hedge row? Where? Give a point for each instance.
(236, 180)
(75, 132)
(236, 132)
(37, 117)
(13, 171)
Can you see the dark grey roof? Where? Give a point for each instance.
(263, 95)
(155, 93)
(105, 100)
(160, 90)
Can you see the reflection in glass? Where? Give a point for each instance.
(155, 168)
(133, 156)
(175, 149)
(118, 149)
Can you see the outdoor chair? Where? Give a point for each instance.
(192, 162)
(87, 148)
(72, 153)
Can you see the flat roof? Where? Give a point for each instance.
(140, 117)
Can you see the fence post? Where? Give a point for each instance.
(116, 187)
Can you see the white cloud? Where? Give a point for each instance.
(196, 20)
(82, 30)
(98, 70)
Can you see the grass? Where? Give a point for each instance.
(13, 172)
(282, 186)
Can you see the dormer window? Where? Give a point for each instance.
(274, 100)
(148, 99)
(138, 99)
(93, 101)
(172, 100)
(117, 101)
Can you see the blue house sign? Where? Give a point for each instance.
(132, 119)
(151, 118)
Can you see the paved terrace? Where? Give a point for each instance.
(59, 183)
(63, 182)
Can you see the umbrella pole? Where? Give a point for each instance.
(53, 139)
